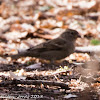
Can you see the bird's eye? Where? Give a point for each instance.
(72, 33)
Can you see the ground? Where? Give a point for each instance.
(26, 23)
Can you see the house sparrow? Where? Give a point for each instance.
(54, 49)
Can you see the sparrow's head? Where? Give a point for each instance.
(70, 34)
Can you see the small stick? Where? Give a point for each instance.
(34, 82)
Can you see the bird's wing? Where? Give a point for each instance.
(56, 44)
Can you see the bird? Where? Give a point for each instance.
(55, 49)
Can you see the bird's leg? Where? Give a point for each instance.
(52, 62)
(55, 63)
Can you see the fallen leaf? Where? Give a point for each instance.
(14, 76)
(70, 96)
(34, 66)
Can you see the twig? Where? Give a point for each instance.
(88, 49)
(34, 82)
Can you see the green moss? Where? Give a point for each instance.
(95, 42)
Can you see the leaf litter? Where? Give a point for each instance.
(29, 23)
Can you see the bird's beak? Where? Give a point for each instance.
(79, 36)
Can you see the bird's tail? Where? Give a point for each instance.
(16, 56)
(20, 54)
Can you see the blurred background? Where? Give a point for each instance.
(26, 23)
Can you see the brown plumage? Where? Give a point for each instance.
(54, 49)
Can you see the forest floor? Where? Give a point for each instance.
(26, 23)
